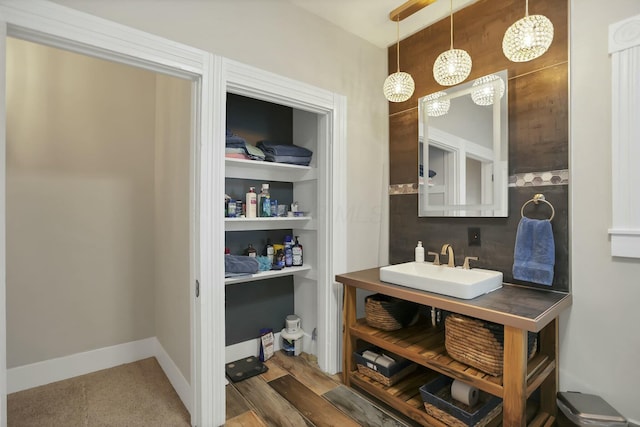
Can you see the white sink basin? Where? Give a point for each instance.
(456, 282)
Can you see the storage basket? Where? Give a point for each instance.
(478, 343)
(383, 375)
(389, 313)
(439, 404)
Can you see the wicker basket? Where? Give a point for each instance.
(382, 374)
(478, 343)
(389, 313)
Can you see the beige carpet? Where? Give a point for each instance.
(135, 394)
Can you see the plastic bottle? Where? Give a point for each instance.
(231, 208)
(252, 203)
(296, 252)
(250, 251)
(419, 252)
(268, 250)
(264, 202)
(288, 252)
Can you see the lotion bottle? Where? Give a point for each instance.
(252, 203)
(419, 252)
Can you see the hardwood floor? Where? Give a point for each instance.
(294, 392)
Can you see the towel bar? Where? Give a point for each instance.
(537, 198)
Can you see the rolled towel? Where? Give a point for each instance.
(534, 254)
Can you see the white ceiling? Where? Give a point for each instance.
(369, 19)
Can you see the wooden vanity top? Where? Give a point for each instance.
(512, 305)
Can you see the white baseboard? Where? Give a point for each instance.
(252, 347)
(62, 368)
(177, 380)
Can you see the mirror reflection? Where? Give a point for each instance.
(463, 149)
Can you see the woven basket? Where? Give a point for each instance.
(389, 313)
(478, 343)
(388, 381)
(450, 420)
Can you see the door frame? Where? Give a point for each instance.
(58, 26)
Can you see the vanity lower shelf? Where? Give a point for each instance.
(424, 344)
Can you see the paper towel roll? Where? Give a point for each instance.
(464, 393)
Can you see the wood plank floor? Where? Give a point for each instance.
(294, 392)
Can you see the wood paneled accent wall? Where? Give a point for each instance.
(538, 133)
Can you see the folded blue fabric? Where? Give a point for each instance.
(232, 140)
(534, 255)
(292, 160)
(283, 149)
(236, 265)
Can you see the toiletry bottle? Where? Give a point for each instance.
(419, 252)
(231, 208)
(252, 203)
(279, 257)
(288, 251)
(268, 250)
(296, 252)
(250, 251)
(264, 202)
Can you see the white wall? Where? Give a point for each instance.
(600, 342)
(80, 194)
(276, 36)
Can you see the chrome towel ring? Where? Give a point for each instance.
(537, 199)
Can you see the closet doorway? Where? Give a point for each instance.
(98, 160)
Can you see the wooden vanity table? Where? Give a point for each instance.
(519, 309)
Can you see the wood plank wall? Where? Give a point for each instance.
(538, 132)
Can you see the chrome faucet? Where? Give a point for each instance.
(447, 249)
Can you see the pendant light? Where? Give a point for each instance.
(485, 88)
(454, 65)
(435, 106)
(527, 38)
(399, 86)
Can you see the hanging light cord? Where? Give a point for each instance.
(526, 10)
(398, 43)
(451, 9)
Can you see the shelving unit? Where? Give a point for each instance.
(519, 309)
(264, 106)
(287, 271)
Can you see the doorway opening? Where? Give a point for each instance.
(100, 217)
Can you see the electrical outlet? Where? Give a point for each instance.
(474, 236)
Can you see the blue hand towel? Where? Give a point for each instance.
(239, 265)
(535, 253)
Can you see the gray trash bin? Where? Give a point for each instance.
(579, 409)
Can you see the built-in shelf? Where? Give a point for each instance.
(255, 169)
(273, 223)
(287, 271)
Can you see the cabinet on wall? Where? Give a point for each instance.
(264, 106)
(519, 309)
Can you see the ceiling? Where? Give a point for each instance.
(369, 19)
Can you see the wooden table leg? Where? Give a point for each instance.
(348, 343)
(549, 388)
(514, 378)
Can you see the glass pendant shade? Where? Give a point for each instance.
(435, 106)
(452, 67)
(485, 94)
(398, 87)
(527, 38)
